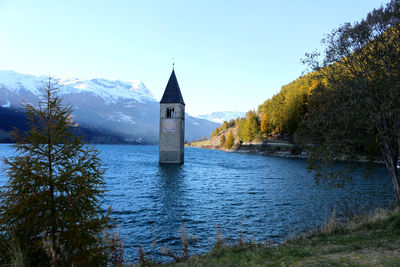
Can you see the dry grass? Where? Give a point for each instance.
(368, 240)
(201, 143)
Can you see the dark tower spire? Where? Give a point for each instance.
(172, 93)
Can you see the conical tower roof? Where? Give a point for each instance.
(172, 93)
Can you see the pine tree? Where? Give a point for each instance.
(265, 127)
(251, 127)
(222, 140)
(224, 126)
(241, 129)
(215, 132)
(230, 141)
(231, 123)
(50, 204)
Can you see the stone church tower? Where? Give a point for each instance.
(172, 123)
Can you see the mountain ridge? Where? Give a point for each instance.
(122, 108)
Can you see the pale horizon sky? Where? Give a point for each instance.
(229, 55)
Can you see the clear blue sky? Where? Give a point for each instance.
(229, 55)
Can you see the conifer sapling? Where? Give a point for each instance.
(51, 200)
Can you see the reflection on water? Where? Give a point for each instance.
(170, 180)
(170, 171)
(264, 197)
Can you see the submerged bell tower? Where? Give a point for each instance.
(172, 123)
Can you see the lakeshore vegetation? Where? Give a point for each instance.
(347, 107)
(360, 241)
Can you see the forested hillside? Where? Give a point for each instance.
(278, 116)
(348, 106)
(346, 96)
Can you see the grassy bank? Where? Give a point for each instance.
(202, 143)
(362, 241)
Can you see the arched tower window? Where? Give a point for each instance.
(170, 113)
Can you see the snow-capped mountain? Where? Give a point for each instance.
(122, 108)
(109, 90)
(221, 116)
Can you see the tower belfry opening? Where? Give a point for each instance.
(172, 123)
(170, 113)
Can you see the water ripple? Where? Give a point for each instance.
(264, 198)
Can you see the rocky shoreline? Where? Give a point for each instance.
(281, 149)
(271, 148)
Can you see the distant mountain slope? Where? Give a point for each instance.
(11, 118)
(222, 116)
(124, 110)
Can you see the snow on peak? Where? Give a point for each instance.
(16, 81)
(6, 105)
(221, 116)
(109, 90)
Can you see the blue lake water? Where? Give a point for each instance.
(262, 198)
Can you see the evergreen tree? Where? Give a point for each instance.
(265, 127)
(251, 127)
(222, 140)
(224, 126)
(241, 129)
(230, 141)
(50, 204)
(215, 132)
